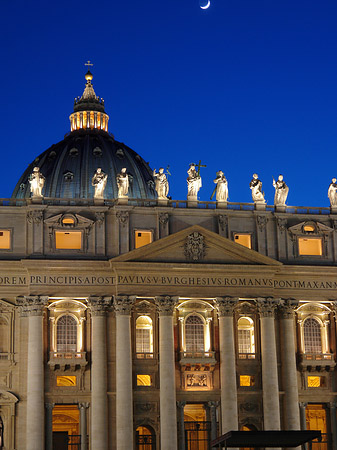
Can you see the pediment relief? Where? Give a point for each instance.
(144, 306)
(313, 308)
(195, 245)
(68, 221)
(67, 305)
(195, 305)
(5, 306)
(7, 397)
(310, 228)
(246, 308)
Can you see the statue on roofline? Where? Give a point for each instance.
(36, 181)
(281, 191)
(256, 187)
(332, 192)
(99, 181)
(193, 181)
(161, 183)
(122, 183)
(221, 188)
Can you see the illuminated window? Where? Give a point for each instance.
(68, 221)
(5, 239)
(142, 238)
(243, 239)
(312, 336)
(66, 335)
(194, 334)
(68, 240)
(310, 246)
(66, 381)
(315, 382)
(144, 337)
(309, 228)
(145, 438)
(144, 380)
(246, 380)
(246, 341)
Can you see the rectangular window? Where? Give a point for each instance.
(5, 239)
(142, 237)
(244, 341)
(143, 340)
(243, 239)
(310, 246)
(246, 380)
(315, 382)
(68, 240)
(66, 381)
(144, 380)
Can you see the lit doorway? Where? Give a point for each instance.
(66, 427)
(316, 419)
(197, 428)
(248, 428)
(145, 438)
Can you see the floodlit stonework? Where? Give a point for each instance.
(153, 323)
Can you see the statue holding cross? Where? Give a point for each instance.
(194, 180)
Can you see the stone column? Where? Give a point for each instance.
(271, 405)
(303, 418)
(99, 400)
(332, 408)
(33, 307)
(168, 410)
(124, 399)
(289, 371)
(181, 406)
(49, 425)
(83, 424)
(212, 413)
(229, 406)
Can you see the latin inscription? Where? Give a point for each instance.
(75, 280)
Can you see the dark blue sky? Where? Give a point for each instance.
(246, 86)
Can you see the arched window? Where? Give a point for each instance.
(66, 335)
(144, 337)
(312, 336)
(194, 334)
(246, 339)
(145, 439)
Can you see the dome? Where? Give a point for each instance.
(68, 166)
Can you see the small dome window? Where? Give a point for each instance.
(73, 152)
(68, 221)
(68, 176)
(97, 152)
(120, 153)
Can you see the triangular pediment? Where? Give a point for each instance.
(196, 245)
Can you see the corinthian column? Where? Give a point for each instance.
(289, 371)
(124, 401)
(229, 406)
(271, 405)
(168, 410)
(33, 307)
(99, 401)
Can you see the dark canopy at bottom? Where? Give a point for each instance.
(265, 438)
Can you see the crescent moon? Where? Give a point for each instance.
(206, 6)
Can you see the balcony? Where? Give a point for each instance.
(316, 361)
(144, 355)
(195, 360)
(246, 356)
(67, 360)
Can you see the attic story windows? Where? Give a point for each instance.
(5, 239)
(310, 238)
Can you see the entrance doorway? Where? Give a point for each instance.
(145, 438)
(316, 419)
(197, 428)
(247, 428)
(66, 427)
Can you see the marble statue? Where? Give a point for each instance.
(122, 183)
(332, 192)
(161, 183)
(36, 181)
(256, 187)
(193, 181)
(99, 182)
(281, 191)
(221, 188)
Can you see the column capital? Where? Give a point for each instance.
(49, 406)
(267, 306)
(32, 305)
(166, 305)
(213, 404)
(123, 304)
(303, 404)
(334, 309)
(181, 404)
(225, 305)
(99, 305)
(287, 307)
(83, 405)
